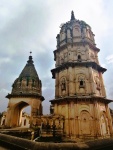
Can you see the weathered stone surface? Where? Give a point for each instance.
(26, 91)
(105, 144)
(80, 107)
(79, 88)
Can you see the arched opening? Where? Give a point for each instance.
(19, 115)
(27, 109)
(85, 122)
(103, 125)
(82, 83)
(79, 57)
(63, 84)
(25, 118)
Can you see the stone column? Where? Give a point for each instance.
(71, 84)
(103, 87)
(92, 81)
(12, 118)
(8, 117)
(66, 129)
(57, 85)
(69, 38)
(97, 120)
(76, 120)
(87, 53)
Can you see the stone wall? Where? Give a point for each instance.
(22, 144)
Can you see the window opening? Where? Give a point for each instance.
(79, 58)
(82, 83)
(63, 85)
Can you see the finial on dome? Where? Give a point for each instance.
(30, 53)
(72, 15)
(30, 61)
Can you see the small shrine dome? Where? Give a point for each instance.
(28, 82)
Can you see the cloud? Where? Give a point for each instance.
(33, 25)
(109, 59)
(3, 100)
(4, 60)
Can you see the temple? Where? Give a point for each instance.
(80, 107)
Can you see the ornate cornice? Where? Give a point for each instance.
(82, 43)
(25, 96)
(81, 99)
(78, 64)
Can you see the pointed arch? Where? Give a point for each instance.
(18, 113)
(85, 123)
(81, 80)
(104, 124)
(63, 84)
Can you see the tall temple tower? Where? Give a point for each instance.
(79, 89)
(26, 91)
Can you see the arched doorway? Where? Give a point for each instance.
(103, 125)
(25, 117)
(17, 113)
(16, 106)
(85, 122)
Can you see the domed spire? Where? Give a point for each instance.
(28, 81)
(29, 69)
(72, 15)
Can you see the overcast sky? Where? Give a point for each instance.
(32, 25)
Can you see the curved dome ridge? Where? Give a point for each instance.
(29, 70)
(28, 81)
(75, 31)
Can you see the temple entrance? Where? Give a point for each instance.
(16, 114)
